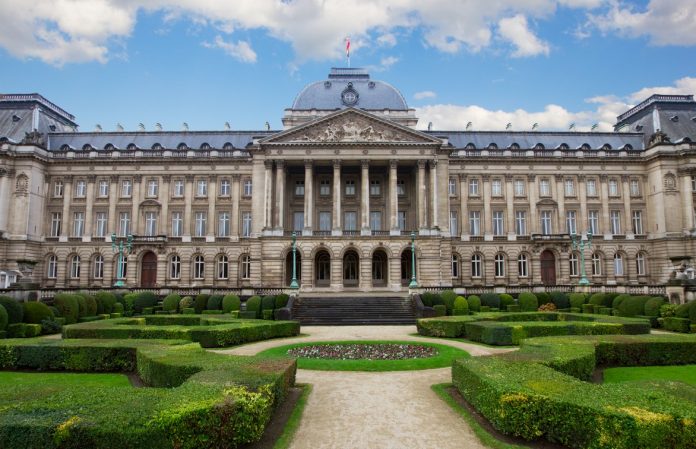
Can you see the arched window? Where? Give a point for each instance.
(499, 265)
(175, 267)
(98, 267)
(455, 266)
(640, 264)
(514, 146)
(596, 265)
(228, 146)
(585, 147)
(87, 147)
(75, 267)
(606, 147)
(245, 269)
(476, 266)
(492, 146)
(618, 265)
(109, 147)
(182, 146)
(65, 147)
(573, 264)
(539, 146)
(198, 267)
(523, 265)
(52, 267)
(563, 146)
(157, 146)
(223, 267)
(132, 147)
(470, 146)
(205, 146)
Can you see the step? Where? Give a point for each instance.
(354, 310)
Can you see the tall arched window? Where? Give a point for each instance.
(476, 265)
(640, 264)
(522, 265)
(573, 264)
(98, 267)
(455, 266)
(75, 267)
(223, 267)
(52, 267)
(175, 267)
(198, 267)
(596, 265)
(245, 271)
(499, 265)
(618, 265)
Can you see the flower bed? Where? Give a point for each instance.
(378, 351)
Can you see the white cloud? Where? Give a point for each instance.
(424, 94)
(386, 40)
(516, 31)
(683, 86)
(240, 50)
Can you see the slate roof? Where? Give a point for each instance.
(549, 140)
(675, 115)
(18, 116)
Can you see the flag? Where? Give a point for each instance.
(348, 47)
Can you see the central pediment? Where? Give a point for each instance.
(351, 126)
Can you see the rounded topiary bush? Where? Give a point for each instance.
(15, 312)
(253, 304)
(69, 307)
(118, 308)
(171, 302)
(230, 303)
(427, 299)
(474, 303)
(631, 305)
(144, 300)
(543, 298)
(560, 300)
(87, 305)
(687, 310)
(55, 310)
(461, 306)
(281, 300)
(3, 318)
(577, 300)
(268, 302)
(600, 299)
(437, 300)
(616, 302)
(491, 300)
(528, 302)
(105, 301)
(185, 303)
(201, 302)
(448, 297)
(36, 312)
(652, 306)
(215, 302)
(129, 301)
(506, 300)
(440, 309)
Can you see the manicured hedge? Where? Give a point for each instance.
(215, 302)
(460, 306)
(560, 300)
(36, 312)
(577, 300)
(230, 303)
(253, 304)
(528, 302)
(171, 302)
(474, 303)
(144, 300)
(503, 334)
(3, 318)
(15, 312)
(87, 304)
(537, 392)
(268, 302)
(687, 310)
(652, 306)
(281, 300)
(448, 297)
(676, 324)
(440, 310)
(69, 307)
(105, 302)
(491, 300)
(631, 305)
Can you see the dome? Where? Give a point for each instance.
(349, 88)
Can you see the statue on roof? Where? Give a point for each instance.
(34, 138)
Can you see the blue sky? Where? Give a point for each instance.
(207, 62)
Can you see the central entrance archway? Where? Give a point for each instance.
(548, 267)
(379, 268)
(322, 269)
(351, 269)
(288, 268)
(148, 270)
(406, 267)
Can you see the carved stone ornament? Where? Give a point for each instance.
(658, 138)
(351, 128)
(34, 138)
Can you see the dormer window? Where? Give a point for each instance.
(492, 146)
(228, 146)
(132, 147)
(470, 146)
(205, 146)
(87, 147)
(539, 146)
(109, 147)
(514, 146)
(563, 146)
(157, 146)
(606, 147)
(182, 146)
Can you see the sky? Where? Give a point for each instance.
(207, 62)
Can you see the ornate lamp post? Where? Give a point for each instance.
(119, 247)
(579, 243)
(293, 283)
(413, 283)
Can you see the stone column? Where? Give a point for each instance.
(212, 196)
(234, 218)
(135, 198)
(509, 206)
(582, 220)
(433, 189)
(89, 204)
(365, 196)
(421, 192)
(393, 199)
(533, 224)
(687, 203)
(5, 199)
(560, 199)
(164, 212)
(463, 206)
(188, 200)
(486, 219)
(606, 229)
(268, 196)
(628, 229)
(113, 198)
(336, 228)
(308, 198)
(280, 195)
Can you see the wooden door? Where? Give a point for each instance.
(548, 268)
(148, 270)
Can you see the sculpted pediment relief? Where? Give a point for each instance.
(548, 202)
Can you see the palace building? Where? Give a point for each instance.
(356, 182)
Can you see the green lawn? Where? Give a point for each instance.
(679, 373)
(443, 359)
(25, 386)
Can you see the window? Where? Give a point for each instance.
(178, 188)
(98, 267)
(202, 187)
(80, 189)
(78, 224)
(591, 187)
(58, 189)
(573, 264)
(245, 271)
(474, 187)
(350, 187)
(223, 229)
(123, 224)
(476, 266)
(475, 222)
(247, 187)
(225, 187)
(350, 221)
(640, 264)
(400, 187)
(571, 222)
(499, 263)
(637, 221)
(375, 187)
(297, 221)
(376, 220)
(498, 228)
(175, 267)
(52, 267)
(635, 187)
(521, 222)
(246, 224)
(103, 188)
(544, 187)
(519, 187)
(75, 267)
(177, 224)
(455, 266)
(201, 224)
(100, 224)
(453, 222)
(299, 188)
(223, 267)
(126, 188)
(523, 265)
(569, 187)
(693, 183)
(596, 265)
(198, 267)
(452, 187)
(496, 187)
(618, 265)
(613, 187)
(615, 222)
(546, 225)
(401, 219)
(55, 224)
(324, 187)
(150, 223)
(152, 188)
(325, 221)
(593, 222)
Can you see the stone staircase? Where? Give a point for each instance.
(349, 310)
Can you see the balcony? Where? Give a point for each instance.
(149, 239)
